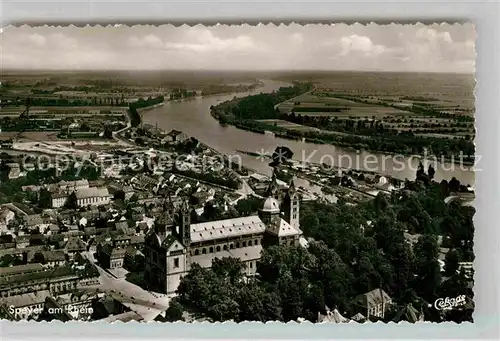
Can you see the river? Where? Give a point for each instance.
(193, 118)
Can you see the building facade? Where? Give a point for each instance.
(176, 244)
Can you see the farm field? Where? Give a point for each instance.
(299, 127)
(288, 125)
(312, 105)
(330, 108)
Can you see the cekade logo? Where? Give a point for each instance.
(449, 303)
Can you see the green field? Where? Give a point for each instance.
(310, 102)
(323, 103)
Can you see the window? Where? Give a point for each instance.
(204, 251)
(256, 242)
(244, 244)
(225, 247)
(211, 249)
(237, 244)
(231, 246)
(251, 265)
(176, 262)
(249, 243)
(294, 216)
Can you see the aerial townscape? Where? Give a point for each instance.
(282, 195)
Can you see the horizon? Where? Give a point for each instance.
(12, 70)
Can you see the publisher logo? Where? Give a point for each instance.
(449, 303)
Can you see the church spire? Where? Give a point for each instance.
(291, 187)
(273, 189)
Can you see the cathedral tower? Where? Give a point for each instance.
(291, 206)
(273, 190)
(184, 222)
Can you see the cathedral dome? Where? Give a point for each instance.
(271, 205)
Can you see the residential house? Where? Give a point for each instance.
(74, 245)
(58, 200)
(22, 241)
(110, 257)
(374, 303)
(468, 268)
(6, 216)
(14, 171)
(174, 137)
(137, 239)
(51, 258)
(34, 221)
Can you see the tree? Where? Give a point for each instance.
(211, 212)
(451, 261)
(175, 311)
(228, 268)
(119, 195)
(38, 258)
(72, 201)
(44, 199)
(108, 132)
(248, 205)
(430, 172)
(454, 185)
(427, 267)
(10, 260)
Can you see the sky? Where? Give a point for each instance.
(401, 48)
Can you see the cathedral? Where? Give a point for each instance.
(175, 243)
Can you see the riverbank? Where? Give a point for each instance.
(256, 86)
(151, 107)
(263, 128)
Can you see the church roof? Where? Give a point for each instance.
(218, 229)
(168, 241)
(271, 205)
(244, 254)
(284, 229)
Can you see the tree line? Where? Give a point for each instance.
(261, 106)
(135, 117)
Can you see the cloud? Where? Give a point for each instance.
(363, 44)
(197, 41)
(62, 41)
(204, 40)
(150, 41)
(36, 39)
(297, 38)
(433, 36)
